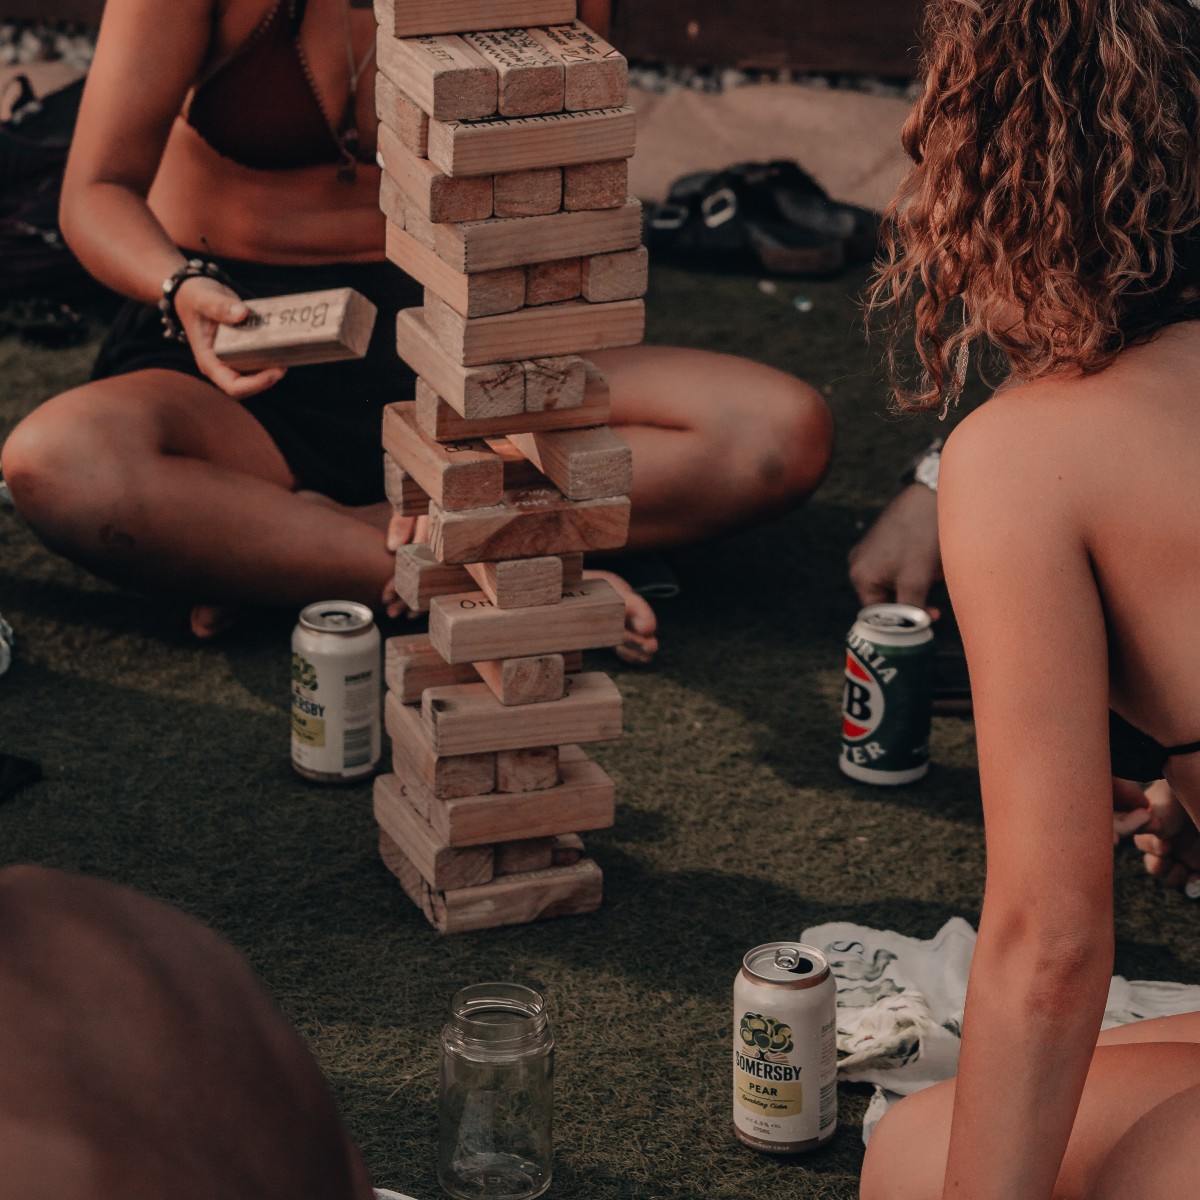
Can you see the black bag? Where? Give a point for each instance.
(35, 262)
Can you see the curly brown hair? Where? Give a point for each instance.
(1053, 209)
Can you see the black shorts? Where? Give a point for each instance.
(325, 418)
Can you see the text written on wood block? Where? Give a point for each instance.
(582, 800)
(293, 330)
(583, 464)
(530, 79)
(457, 475)
(596, 75)
(558, 382)
(487, 390)
(408, 18)
(520, 582)
(519, 241)
(442, 75)
(469, 628)
(436, 196)
(478, 295)
(403, 114)
(411, 665)
(528, 523)
(555, 140)
(571, 328)
(442, 865)
(531, 679)
(419, 576)
(414, 757)
(466, 718)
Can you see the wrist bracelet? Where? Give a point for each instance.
(192, 269)
(924, 468)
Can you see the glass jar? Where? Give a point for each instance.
(497, 1094)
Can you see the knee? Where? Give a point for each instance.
(906, 1156)
(796, 428)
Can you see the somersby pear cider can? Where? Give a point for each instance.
(336, 692)
(784, 1049)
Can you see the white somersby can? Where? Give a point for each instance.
(336, 692)
(784, 1049)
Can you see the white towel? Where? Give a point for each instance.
(900, 1005)
(384, 1194)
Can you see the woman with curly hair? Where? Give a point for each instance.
(1053, 215)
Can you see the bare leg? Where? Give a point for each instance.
(718, 442)
(161, 482)
(143, 1059)
(1135, 1068)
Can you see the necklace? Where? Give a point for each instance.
(347, 134)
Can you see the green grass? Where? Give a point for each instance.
(167, 769)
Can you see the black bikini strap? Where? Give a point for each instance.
(1186, 748)
(298, 7)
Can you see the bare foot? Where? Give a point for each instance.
(640, 644)
(211, 620)
(1170, 841)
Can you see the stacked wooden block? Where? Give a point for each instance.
(504, 135)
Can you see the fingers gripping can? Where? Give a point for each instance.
(887, 700)
(784, 1049)
(336, 692)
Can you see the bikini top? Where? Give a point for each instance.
(1136, 755)
(261, 108)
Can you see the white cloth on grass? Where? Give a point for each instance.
(900, 1005)
(384, 1194)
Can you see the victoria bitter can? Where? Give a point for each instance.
(887, 700)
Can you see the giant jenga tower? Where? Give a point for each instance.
(503, 137)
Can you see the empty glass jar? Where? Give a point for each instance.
(497, 1094)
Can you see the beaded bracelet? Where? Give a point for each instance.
(193, 268)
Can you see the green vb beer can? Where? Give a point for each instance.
(887, 701)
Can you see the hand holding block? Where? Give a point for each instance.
(406, 18)
(290, 331)
(596, 75)
(442, 75)
(469, 628)
(531, 79)
(467, 719)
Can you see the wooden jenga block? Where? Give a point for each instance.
(530, 679)
(403, 114)
(518, 241)
(444, 424)
(557, 140)
(565, 849)
(583, 464)
(411, 664)
(441, 777)
(528, 523)
(415, 885)
(530, 770)
(519, 473)
(458, 475)
(570, 328)
(552, 383)
(583, 799)
(572, 571)
(444, 76)
(486, 390)
(469, 628)
(466, 718)
(404, 493)
(528, 854)
(618, 276)
(596, 185)
(419, 576)
(407, 18)
(527, 193)
(553, 282)
(442, 865)
(415, 224)
(290, 331)
(476, 295)
(436, 196)
(391, 204)
(520, 582)
(521, 899)
(573, 661)
(597, 76)
(531, 79)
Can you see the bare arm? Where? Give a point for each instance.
(147, 57)
(1034, 632)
